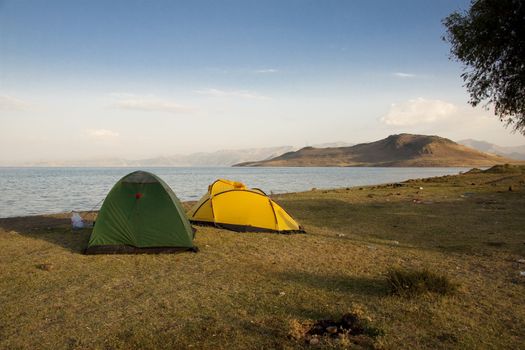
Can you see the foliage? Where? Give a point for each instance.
(489, 39)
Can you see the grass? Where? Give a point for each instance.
(246, 290)
(410, 283)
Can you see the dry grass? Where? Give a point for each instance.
(246, 290)
(409, 283)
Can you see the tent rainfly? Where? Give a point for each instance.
(141, 214)
(231, 205)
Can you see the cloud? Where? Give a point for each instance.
(102, 133)
(148, 104)
(233, 93)
(267, 70)
(419, 111)
(8, 103)
(455, 121)
(404, 75)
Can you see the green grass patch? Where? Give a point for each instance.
(408, 283)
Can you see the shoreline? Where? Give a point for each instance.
(50, 191)
(188, 203)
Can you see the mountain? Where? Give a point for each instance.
(333, 144)
(217, 158)
(516, 152)
(404, 150)
(210, 159)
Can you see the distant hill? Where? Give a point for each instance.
(216, 158)
(219, 158)
(517, 152)
(404, 150)
(333, 144)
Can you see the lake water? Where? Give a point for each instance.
(31, 191)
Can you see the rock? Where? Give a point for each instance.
(313, 341)
(45, 267)
(331, 329)
(521, 261)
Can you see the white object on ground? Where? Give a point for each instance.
(76, 221)
(522, 273)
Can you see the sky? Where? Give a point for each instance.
(137, 79)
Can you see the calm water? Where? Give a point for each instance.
(29, 191)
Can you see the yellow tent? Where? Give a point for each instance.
(231, 205)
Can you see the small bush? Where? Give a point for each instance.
(413, 282)
(505, 168)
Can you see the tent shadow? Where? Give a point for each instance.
(55, 229)
(365, 286)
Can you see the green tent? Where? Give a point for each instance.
(141, 214)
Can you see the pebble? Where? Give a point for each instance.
(331, 329)
(45, 267)
(314, 341)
